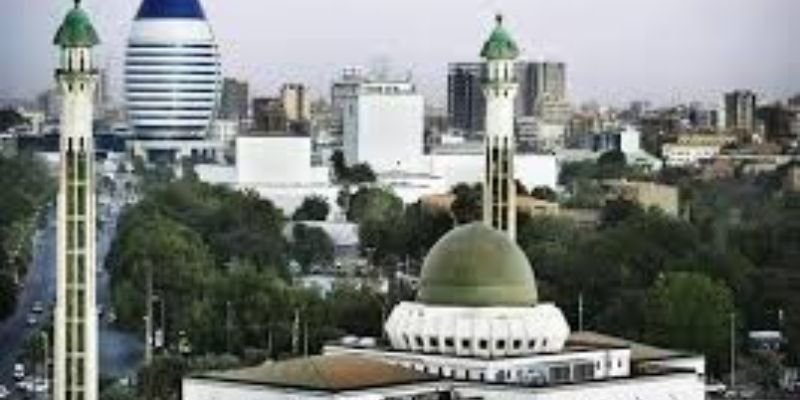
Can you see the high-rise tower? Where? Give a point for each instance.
(172, 71)
(75, 370)
(500, 89)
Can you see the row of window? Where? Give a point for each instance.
(170, 54)
(170, 46)
(483, 344)
(167, 81)
(143, 63)
(169, 72)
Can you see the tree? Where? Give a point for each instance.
(422, 227)
(544, 193)
(690, 311)
(340, 170)
(357, 311)
(612, 165)
(374, 203)
(468, 203)
(361, 173)
(618, 210)
(311, 246)
(313, 208)
(8, 296)
(10, 118)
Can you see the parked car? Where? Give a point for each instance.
(19, 371)
(4, 392)
(37, 308)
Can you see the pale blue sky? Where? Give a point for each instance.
(616, 50)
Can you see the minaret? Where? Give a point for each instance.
(75, 360)
(500, 90)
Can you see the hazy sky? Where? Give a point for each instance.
(616, 50)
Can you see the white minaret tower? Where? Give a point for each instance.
(500, 90)
(75, 362)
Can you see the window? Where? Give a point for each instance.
(560, 374)
(449, 342)
(465, 343)
(517, 344)
(532, 344)
(418, 339)
(501, 344)
(483, 344)
(434, 341)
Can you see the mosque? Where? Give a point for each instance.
(477, 329)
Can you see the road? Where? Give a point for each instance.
(120, 353)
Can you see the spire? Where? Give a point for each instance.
(500, 45)
(77, 29)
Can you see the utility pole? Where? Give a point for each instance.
(733, 350)
(46, 343)
(305, 337)
(148, 319)
(580, 312)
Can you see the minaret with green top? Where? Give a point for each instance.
(75, 358)
(500, 89)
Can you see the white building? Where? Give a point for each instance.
(383, 124)
(688, 155)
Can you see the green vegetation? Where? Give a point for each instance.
(10, 118)
(311, 246)
(26, 189)
(314, 208)
(219, 265)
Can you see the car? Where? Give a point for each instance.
(19, 371)
(32, 320)
(4, 392)
(37, 308)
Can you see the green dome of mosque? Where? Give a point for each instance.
(500, 45)
(76, 30)
(477, 266)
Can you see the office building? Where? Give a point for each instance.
(383, 125)
(541, 107)
(465, 102)
(269, 115)
(172, 72)
(75, 361)
(740, 111)
(500, 90)
(296, 103)
(235, 100)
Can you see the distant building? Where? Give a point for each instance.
(383, 126)
(542, 94)
(342, 89)
(296, 103)
(779, 122)
(740, 111)
(647, 195)
(792, 178)
(465, 101)
(235, 99)
(691, 150)
(269, 115)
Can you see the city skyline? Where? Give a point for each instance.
(617, 50)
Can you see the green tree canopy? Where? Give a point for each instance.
(313, 208)
(690, 311)
(311, 246)
(468, 204)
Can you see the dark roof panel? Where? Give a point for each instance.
(189, 9)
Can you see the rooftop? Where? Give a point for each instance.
(184, 9)
(331, 373)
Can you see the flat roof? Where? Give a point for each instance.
(329, 373)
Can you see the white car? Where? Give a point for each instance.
(19, 371)
(4, 393)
